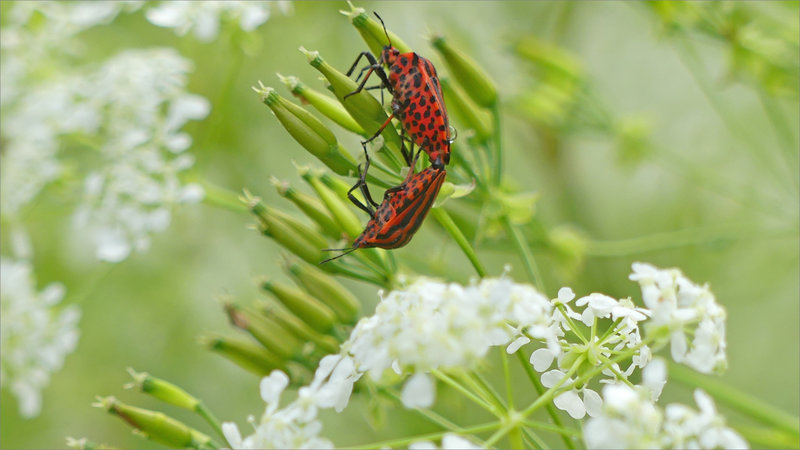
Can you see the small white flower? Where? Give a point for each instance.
(577, 402)
(419, 391)
(686, 309)
(35, 336)
(203, 18)
(629, 419)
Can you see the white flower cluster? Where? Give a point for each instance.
(581, 400)
(34, 336)
(431, 324)
(296, 424)
(121, 121)
(684, 308)
(629, 419)
(141, 102)
(38, 107)
(203, 18)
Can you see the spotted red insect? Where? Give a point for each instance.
(417, 99)
(394, 222)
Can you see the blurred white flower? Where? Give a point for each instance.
(629, 419)
(204, 18)
(35, 335)
(121, 122)
(686, 309)
(449, 441)
(132, 193)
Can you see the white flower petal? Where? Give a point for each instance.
(419, 391)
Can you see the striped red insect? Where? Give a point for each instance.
(394, 222)
(417, 99)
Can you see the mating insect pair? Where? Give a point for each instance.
(418, 103)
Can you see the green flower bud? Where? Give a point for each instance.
(372, 31)
(162, 390)
(310, 310)
(325, 288)
(364, 108)
(327, 106)
(550, 58)
(251, 357)
(341, 213)
(308, 131)
(290, 233)
(311, 207)
(326, 344)
(266, 331)
(156, 425)
(466, 110)
(475, 81)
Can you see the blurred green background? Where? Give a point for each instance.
(707, 155)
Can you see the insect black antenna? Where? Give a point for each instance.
(346, 251)
(384, 28)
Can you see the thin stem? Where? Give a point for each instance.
(525, 253)
(464, 391)
(498, 148)
(447, 223)
(551, 410)
(209, 417)
(425, 412)
(507, 376)
(564, 432)
(429, 436)
(678, 238)
(740, 401)
(480, 384)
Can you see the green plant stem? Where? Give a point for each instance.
(564, 432)
(429, 436)
(767, 437)
(515, 437)
(447, 223)
(525, 253)
(680, 238)
(464, 391)
(209, 417)
(498, 147)
(481, 385)
(425, 412)
(744, 403)
(507, 376)
(551, 410)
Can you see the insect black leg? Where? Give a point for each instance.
(370, 58)
(369, 208)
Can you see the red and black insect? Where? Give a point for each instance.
(416, 100)
(394, 222)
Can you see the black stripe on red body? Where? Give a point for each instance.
(402, 212)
